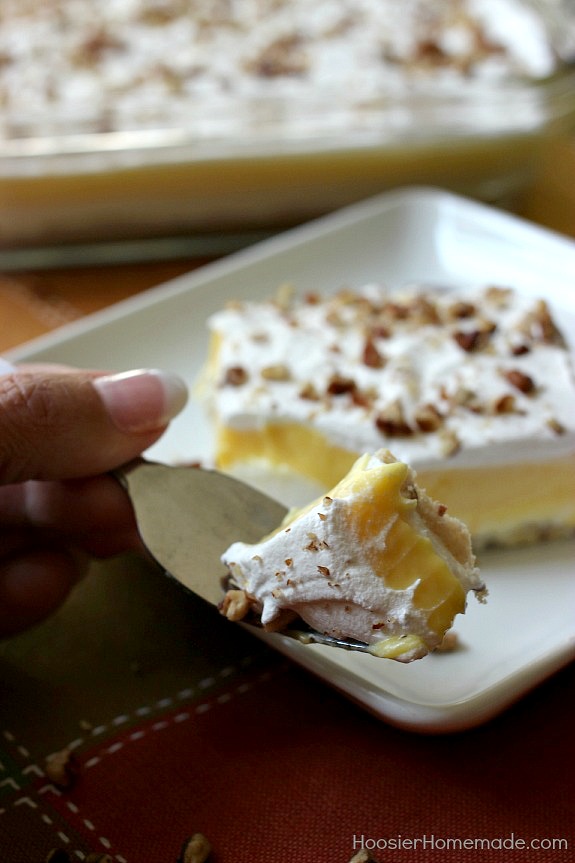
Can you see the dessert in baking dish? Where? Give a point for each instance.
(73, 66)
(140, 118)
(375, 560)
(473, 389)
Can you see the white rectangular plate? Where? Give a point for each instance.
(527, 629)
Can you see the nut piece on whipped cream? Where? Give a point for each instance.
(375, 560)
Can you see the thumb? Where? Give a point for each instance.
(62, 423)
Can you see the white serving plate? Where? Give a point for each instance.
(527, 629)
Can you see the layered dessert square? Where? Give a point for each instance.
(474, 389)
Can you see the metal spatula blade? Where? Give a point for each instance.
(189, 516)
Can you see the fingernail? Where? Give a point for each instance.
(142, 400)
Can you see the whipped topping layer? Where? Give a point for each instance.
(374, 560)
(438, 376)
(70, 66)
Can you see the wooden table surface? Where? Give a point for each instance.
(36, 300)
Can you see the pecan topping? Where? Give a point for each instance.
(338, 385)
(498, 296)
(524, 383)
(278, 372)
(197, 849)
(556, 426)
(539, 325)
(475, 340)
(235, 376)
(363, 856)
(450, 443)
(371, 356)
(547, 328)
(309, 392)
(392, 421)
(520, 349)
(235, 605)
(315, 543)
(282, 57)
(467, 341)
(504, 405)
(424, 311)
(62, 768)
(461, 309)
(428, 418)
(94, 49)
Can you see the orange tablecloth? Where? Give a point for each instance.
(180, 723)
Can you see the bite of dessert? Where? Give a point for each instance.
(375, 560)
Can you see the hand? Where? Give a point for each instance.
(61, 431)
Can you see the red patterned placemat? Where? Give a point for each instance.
(180, 722)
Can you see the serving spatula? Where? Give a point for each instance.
(189, 516)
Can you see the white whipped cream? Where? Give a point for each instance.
(486, 417)
(317, 567)
(85, 65)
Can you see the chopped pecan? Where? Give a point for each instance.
(380, 331)
(430, 53)
(467, 341)
(391, 421)
(461, 309)
(284, 296)
(94, 50)
(424, 311)
(62, 768)
(277, 372)
(428, 418)
(498, 296)
(477, 339)
(556, 426)
(550, 334)
(518, 379)
(339, 385)
(235, 605)
(450, 443)
(196, 849)
(235, 376)
(538, 324)
(519, 349)
(396, 311)
(504, 404)
(371, 357)
(315, 543)
(283, 57)
(363, 856)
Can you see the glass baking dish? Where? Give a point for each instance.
(274, 139)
